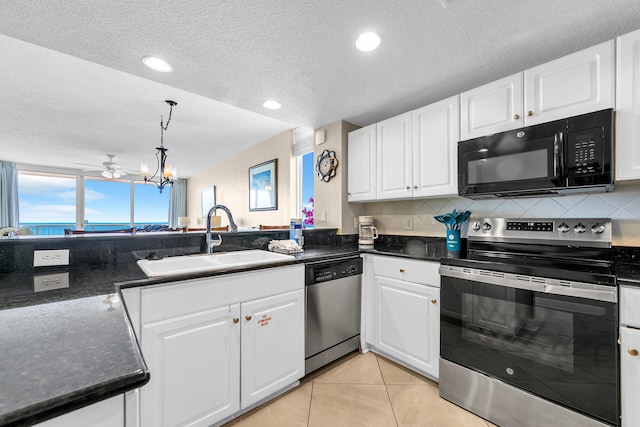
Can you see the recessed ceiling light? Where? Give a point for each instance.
(157, 64)
(368, 41)
(271, 104)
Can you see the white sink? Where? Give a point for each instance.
(199, 263)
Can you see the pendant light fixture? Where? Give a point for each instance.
(166, 174)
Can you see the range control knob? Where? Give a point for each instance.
(579, 228)
(476, 226)
(486, 226)
(597, 228)
(563, 228)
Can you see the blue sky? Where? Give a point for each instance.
(46, 199)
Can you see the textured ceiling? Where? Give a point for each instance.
(240, 53)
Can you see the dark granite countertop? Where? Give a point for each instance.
(60, 356)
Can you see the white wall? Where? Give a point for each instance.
(231, 178)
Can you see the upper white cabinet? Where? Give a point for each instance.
(410, 155)
(574, 84)
(491, 108)
(394, 171)
(361, 164)
(628, 107)
(435, 148)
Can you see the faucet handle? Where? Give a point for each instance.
(215, 243)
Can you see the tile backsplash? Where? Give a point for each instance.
(622, 206)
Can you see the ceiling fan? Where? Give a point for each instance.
(110, 169)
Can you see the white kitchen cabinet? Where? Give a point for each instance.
(215, 346)
(361, 164)
(628, 107)
(629, 375)
(629, 355)
(492, 108)
(575, 84)
(394, 138)
(402, 311)
(272, 345)
(436, 132)
(106, 413)
(195, 365)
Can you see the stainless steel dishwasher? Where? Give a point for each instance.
(332, 324)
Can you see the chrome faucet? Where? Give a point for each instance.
(232, 226)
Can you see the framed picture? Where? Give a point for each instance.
(263, 186)
(208, 198)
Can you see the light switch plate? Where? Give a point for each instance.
(51, 257)
(48, 282)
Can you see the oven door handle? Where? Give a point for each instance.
(529, 283)
(558, 155)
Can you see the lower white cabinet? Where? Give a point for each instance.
(272, 342)
(216, 346)
(195, 365)
(106, 413)
(402, 305)
(629, 355)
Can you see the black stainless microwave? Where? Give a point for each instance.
(560, 157)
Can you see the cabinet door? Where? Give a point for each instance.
(574, 84)
(272, 345)
(629, 376)
(407, 322)
(491, 108)
(628, 107)
(194, 362)
(106, 413)
(394, 142)
(361, 164)
(436, 131)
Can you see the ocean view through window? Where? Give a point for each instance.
(49, 204)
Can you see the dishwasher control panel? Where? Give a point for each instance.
(332, 270)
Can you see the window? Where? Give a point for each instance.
(307, 175)
(107, 204)
(47, 202)
(52, 202)
(151, 206)
(302, 149)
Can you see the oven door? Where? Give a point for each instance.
(559, 347)
(525, 161)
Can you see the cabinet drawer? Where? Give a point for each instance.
(630, 306)
(409, 270)
(193, 296)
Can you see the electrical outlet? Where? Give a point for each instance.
(355, 223)
(47, 282)
(408, 223)
(323, 216)
(51, 257)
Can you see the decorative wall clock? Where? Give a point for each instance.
(326, 165)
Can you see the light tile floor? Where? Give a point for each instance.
(361, 390)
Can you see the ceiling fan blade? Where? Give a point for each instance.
(88, 164)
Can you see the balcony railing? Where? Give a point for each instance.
(57, 229)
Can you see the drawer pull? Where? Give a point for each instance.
(236, 320)
(434, 301)
(248, 317)
(530, 113)
(402, 270)
(632, 351)
(516, 116)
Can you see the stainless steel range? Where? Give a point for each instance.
(529, 323)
